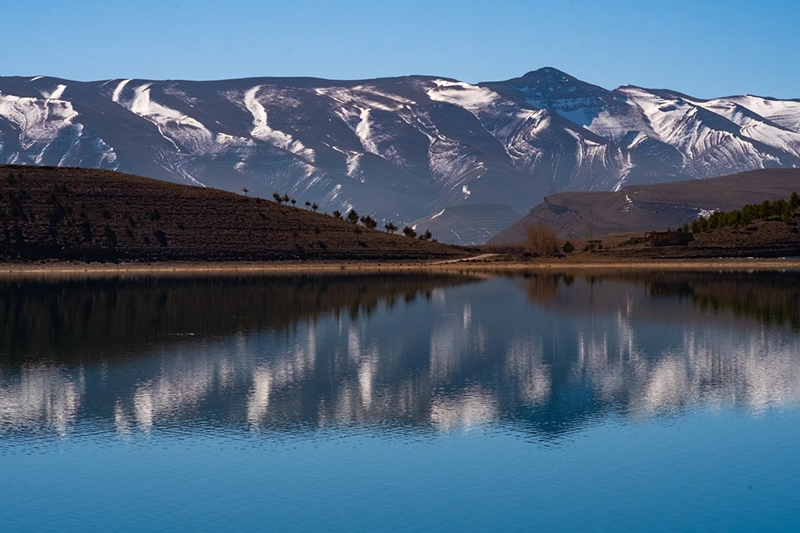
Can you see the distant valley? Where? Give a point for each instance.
(463, 160)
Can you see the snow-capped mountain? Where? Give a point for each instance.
(401, 149)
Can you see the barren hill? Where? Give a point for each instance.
(68, 213)
(651, 207)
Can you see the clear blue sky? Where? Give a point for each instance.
(703, 48)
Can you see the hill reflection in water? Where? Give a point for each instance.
(540, 354)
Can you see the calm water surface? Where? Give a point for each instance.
(621, 402)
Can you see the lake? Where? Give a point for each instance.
(617, 401)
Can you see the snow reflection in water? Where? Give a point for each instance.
(540, 352)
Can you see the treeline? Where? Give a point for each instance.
(747, 214)
(354, 218)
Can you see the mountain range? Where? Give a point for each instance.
(461, 159)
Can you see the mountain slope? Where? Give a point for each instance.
(467, 223)
(402, 148)
(651, 207)
(89, 214)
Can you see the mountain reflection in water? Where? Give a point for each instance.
(541, 354)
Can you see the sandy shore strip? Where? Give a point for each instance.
(353, 267)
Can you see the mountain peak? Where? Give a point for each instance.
(549, 80)
(548, 73)
(547, 84)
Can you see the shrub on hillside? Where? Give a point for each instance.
(541, 240)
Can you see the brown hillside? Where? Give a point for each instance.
(763, 238)
(576, 215)
(87, 214)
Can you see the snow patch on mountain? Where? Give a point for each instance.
(262, 131)
(79, 144)
(355, 107)
(180, 94)
(36, 118)
(364, 96)
(581, 111)
(705, 213)
(178, 167)
(48, 133)
(421, 121)
(362, 130)
(615, 124)
(753, 125)
(223, 140)
(108, 157)
(470, 97)
(706, 134)
(56, 93)
(118, 90)
(668, 118)
(519, 139)
(39, 122)
(496, 114)
(784, 113)
(449, 162)
(335, 198)
(353, 161)
(185, 133)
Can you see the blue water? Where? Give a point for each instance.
(428, 404)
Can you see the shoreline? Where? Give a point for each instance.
(368, 267)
